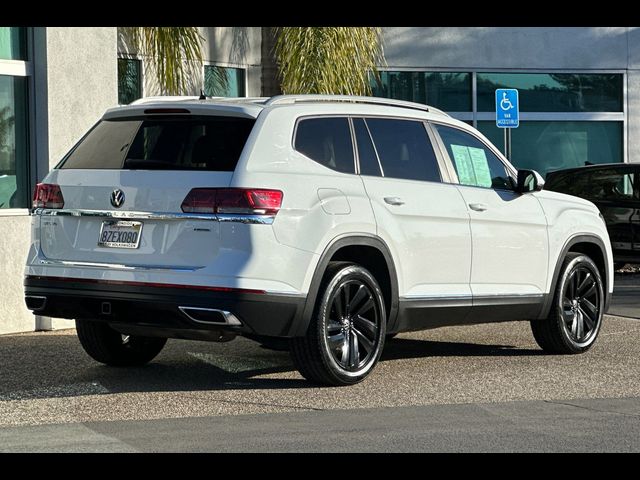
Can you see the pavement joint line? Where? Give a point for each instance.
(558, 402)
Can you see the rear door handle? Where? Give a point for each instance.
(394, 200)
(478, 207)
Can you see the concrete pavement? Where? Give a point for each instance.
(602, 425)
(49, 383)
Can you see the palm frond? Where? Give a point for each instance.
(171, 50)
(328, 60)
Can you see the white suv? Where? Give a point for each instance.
(327, 222)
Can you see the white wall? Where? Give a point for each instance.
(75, 80)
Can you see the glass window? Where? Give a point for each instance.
(608, 184)
(552, 145)
(366, 154)
(13, 43)
(404, 149)
(14, 163)
(554, 92)
(129, 80)
(449, 91)
(326, 141)
(211, 143)
(475, 163)
(223, 81)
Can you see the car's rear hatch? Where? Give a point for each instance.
(124, 183)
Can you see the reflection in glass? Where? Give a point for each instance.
(223, 81)
(129, 80)
(449, 91)
(552, 145)
(554, 92)
(13, 142)
(12, 43)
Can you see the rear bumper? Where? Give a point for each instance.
(168, 308)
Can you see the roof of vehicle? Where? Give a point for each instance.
(250, 107)
(589, 168)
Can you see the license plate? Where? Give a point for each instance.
(120, 234)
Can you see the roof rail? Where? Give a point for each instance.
(291, 99)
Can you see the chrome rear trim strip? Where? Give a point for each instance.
(117, 266)
(134, 215)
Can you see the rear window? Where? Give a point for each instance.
(193, 143)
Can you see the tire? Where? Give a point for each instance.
(347, 330)
(107, 346)
(575, 318)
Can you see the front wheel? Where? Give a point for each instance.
(347, 331)
(108, 346)
(575, 317)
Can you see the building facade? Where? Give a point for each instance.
(579, 100)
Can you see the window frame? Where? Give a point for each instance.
(24, 69)
(510, 169)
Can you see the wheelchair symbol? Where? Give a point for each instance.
(505, 103)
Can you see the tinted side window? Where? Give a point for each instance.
(366, 154)
(608, 184)
(326, 141)
(475, 164)
(404, 149)
(569, 183)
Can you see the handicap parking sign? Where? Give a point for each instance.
(507, 108)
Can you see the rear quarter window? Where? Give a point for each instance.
(326, 140)
(189, 143)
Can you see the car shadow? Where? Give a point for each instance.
(54, 365)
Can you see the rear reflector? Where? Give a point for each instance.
(245, 201)
(47, 195)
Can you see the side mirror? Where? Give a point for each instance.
(529, 181)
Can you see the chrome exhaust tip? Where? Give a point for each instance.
(210, 316)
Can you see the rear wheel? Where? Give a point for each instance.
(575, 317)
(108, 346)
(347, 331)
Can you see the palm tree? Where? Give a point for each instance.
(328, 60)
(171, 51)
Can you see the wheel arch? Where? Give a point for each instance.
(368, 251)
(590, 245)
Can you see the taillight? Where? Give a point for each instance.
(47, 195)
(243, 201)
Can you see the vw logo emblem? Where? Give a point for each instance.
(117, 198)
